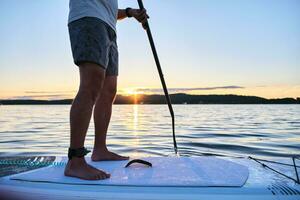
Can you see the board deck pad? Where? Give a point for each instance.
(203, 171)
(14, 165)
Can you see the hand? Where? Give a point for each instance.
(140, 15)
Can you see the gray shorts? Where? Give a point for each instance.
(92, 40)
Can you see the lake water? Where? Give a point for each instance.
(145, 130)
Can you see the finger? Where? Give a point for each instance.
(139, 18)
(98, 177)
(142, 19)
(145, 26)
(142, 12)
(144, 16)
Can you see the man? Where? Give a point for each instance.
(92, 30)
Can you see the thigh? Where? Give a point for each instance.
(90, 41)
(113, 64)
(91, 75)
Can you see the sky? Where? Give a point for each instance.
(245, 47)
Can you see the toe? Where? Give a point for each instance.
(103, 176)
(99, 177)
(126, 157)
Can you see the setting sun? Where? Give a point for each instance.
(133, 92)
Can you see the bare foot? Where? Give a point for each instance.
(107, 155)
(77, 167)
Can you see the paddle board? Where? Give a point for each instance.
(203, 177)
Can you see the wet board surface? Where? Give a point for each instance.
(166, 171)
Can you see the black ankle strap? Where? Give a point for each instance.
(79, 153)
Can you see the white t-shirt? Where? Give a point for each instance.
(106, 10)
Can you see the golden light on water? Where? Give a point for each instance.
(135, 115)
(135, 128)
(131, 122)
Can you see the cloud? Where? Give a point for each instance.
(47, 97)
(54, 95)
(50, 92)
(158, 90)
(41, 95)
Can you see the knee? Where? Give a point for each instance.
(91, 88)
(109, 92)
(90, 92)
(91, 81)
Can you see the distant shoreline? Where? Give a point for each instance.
(178, 98)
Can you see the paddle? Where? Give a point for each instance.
(161, 76)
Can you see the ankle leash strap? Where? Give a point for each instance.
(79, 153)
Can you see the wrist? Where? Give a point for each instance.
(128, 12)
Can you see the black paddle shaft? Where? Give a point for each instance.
(161, 76)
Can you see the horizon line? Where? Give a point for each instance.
(31, 98)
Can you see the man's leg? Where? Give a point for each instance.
(102, 115)
(91, 81)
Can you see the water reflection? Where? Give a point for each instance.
(145, 130)
(135, 117)
(135, 129)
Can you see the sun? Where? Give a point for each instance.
(134, 93)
